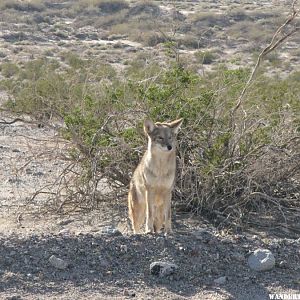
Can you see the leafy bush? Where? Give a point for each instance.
(205, 57)
(9, 69)
(227, 173)
(190, 41)
(34, 5)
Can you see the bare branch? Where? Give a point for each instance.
(2, 121)
(275, 42)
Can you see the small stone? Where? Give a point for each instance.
(282, 264)
(28, 171)
(261, 260)
(220, 280)
(123, 248)
(162, 269)
(110, 230)
(65, 231)
(129, 293)
(58, 262)
(182, 249)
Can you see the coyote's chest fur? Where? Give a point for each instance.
(151, 186)
(159, 172)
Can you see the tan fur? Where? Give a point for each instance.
(151, 187)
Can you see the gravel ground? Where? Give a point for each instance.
(95, 256)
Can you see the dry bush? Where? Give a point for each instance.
(238, 152)
(34, 5)
(210, 19)
(147, 8)
(106, 6)
(102, 120)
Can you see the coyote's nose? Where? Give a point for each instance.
(169, 147)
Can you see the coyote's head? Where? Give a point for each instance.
(162, 136)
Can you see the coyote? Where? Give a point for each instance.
(150, 190)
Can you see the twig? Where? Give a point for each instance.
(272, 200)
(275, 42)
(13, 121)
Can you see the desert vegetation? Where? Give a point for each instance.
(230, 169)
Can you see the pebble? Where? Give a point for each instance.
(162, 269)
(65, 231)
(283, 264)
(129, 293)
(110, 230)
(123, 248)
(58, 263)
(261, 260)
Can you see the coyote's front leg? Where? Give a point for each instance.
(150, 198)
(168, 213)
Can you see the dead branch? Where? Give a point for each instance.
(2, 121)
(278, 38)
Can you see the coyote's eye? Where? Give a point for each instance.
(160, 138)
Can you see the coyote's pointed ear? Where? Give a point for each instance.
(148, 126)
(175, 125)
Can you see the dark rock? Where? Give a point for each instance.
(162, 269)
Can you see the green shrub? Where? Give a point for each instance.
(221, 168)
(72, 59)
(33, 5)
(9, 69)
(190, 41)
(205, 57)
